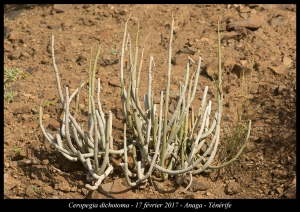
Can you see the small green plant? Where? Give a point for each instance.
(9, 96)
(25, 75)
(237, 138)
(10, 75)
(114, 50)
(47, 104)
(17, 149)
(36, 189)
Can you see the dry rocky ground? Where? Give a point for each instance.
(263, 33)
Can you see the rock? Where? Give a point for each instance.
(293, 184)
(48, 190)
(208, 193)
(26, 117)
(242, 32)
(29, 191)
(252, 22)
(15, 55)
(287, 61)
(103, 80)
(82, 59)
(200, 196)
(25, 162)
(74, 188)
(25, 54)
(31, 70)
(196, 186)
(280, 191)
(174, 59)
(20, 155)
(204, 148)
(114, 82)
(237, 34)
(13, 163)
(274, 22)
(269, 6)
(212, 69)
(290, 7)
(116, 163)
(6, 164)
(229, 35)
(22, 110)
(75, 81)
(13, 35)
(59, 8)
(13, 14)
(279, 70)
(10, 182)
(245, 10)
(187, 50)
(290, 193)
(46, 116)
(84, 191)
(253, 5)
(52, 124)
(8, 48)
(172, 107)
(279, 89)
(254, 88)
(232, 187)
(6, 32)
(240, 70)
(45, 161)
(61, 183)
(174, 93)
(118, 189)
(267, 191)
(37, 182)
(124, 12)
(98, 195)
(102, 74)
(37, 48)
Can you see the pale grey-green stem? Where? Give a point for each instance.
(164, 141)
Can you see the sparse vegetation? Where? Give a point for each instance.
(36, 189)
(17, 149)
(10, 75)
(114, 51)
(9, 96)
(235, 135)
(47, 104)
(25, 75)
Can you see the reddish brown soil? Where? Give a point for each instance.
(265, 33)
